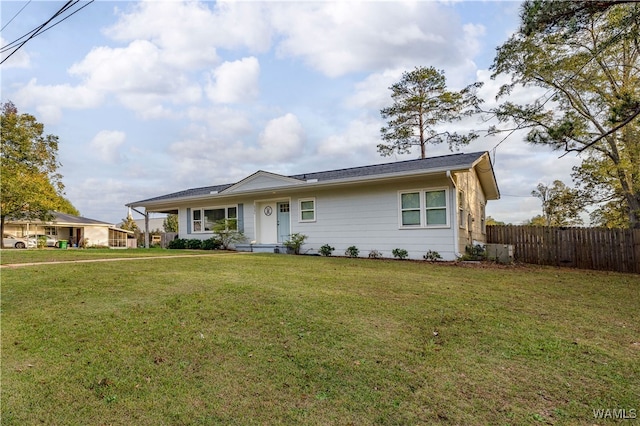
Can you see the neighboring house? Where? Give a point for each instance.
(418, 205)
(78, 231)
(155, 224)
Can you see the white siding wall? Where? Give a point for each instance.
(96, 236)
(368, 218)
(365, 216)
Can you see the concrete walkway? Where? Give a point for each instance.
(117, 259)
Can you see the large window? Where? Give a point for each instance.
(204, 220)
(308, 210)
(424, 208)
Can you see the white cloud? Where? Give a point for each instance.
(359, 137)
(235, 82)
(373, 92)
(282, 139)
(106, 145)
(50, 99)
(190, 32)
(337, 38)
(222, 121)
(19, 59)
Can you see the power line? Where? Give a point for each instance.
(42, 28)
(14, 16)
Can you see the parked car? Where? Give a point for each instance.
(49, 240)
(13, 241)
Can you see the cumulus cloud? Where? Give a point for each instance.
(359, 136)
(356, 36)
(50, 99)
(282, 138)
(373, 92)
(20, 59)
(106, 145)
(226, 25)
(235, 81)
(217, 159)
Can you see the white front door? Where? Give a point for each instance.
(272, 220)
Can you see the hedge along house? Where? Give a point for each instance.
(77, 230)
(418, 205)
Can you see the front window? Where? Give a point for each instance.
(436, 207)
(410, 205)
(197, 221)
(424, 208)
(307, 210)
(205, 220)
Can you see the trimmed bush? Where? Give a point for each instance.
(352, 251)
(212, 243)
(177, 244)
(194, 244)
(326, 250)
(375, 254)
(432, 256)
(400, 253)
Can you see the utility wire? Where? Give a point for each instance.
(14, 16)
(42, 28)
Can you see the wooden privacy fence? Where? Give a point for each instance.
(588, 248)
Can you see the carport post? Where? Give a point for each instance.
(146, 226)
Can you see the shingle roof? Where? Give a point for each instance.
(434, 163)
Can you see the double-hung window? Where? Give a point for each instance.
(424, 208)
(205, 220)
(308, 210)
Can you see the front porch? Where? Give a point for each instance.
(262, 248)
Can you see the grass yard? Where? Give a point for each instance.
(11, 256)
(276, 339)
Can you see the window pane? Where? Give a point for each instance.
(232, 213)
(211, 217)
(411, 217)
(196, 215)
(307, 215)
(437, 217)
(436, 199)
(196, 226)
(306, 205)
(411, 201)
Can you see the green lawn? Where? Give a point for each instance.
(276, 339)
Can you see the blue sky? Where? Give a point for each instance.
(154, 97)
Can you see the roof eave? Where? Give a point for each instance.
(167, 204)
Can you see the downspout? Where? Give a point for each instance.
(146, 226)
(454, 214)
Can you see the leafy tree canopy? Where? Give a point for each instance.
(170, 223)
(561, 205)
(421, 101)
(31, 186)
(590, 66)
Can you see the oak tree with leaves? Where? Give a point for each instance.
(31, 185)
(561, 205)
(587, 56)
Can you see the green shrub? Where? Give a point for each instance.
(295, 242)
(432, 256)
(227, 233)
(212, 243)
(476, 252)
(375, 254)
(352, 251)
(326, 250)
(400, 253)
(177, 244)
(194, 244)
